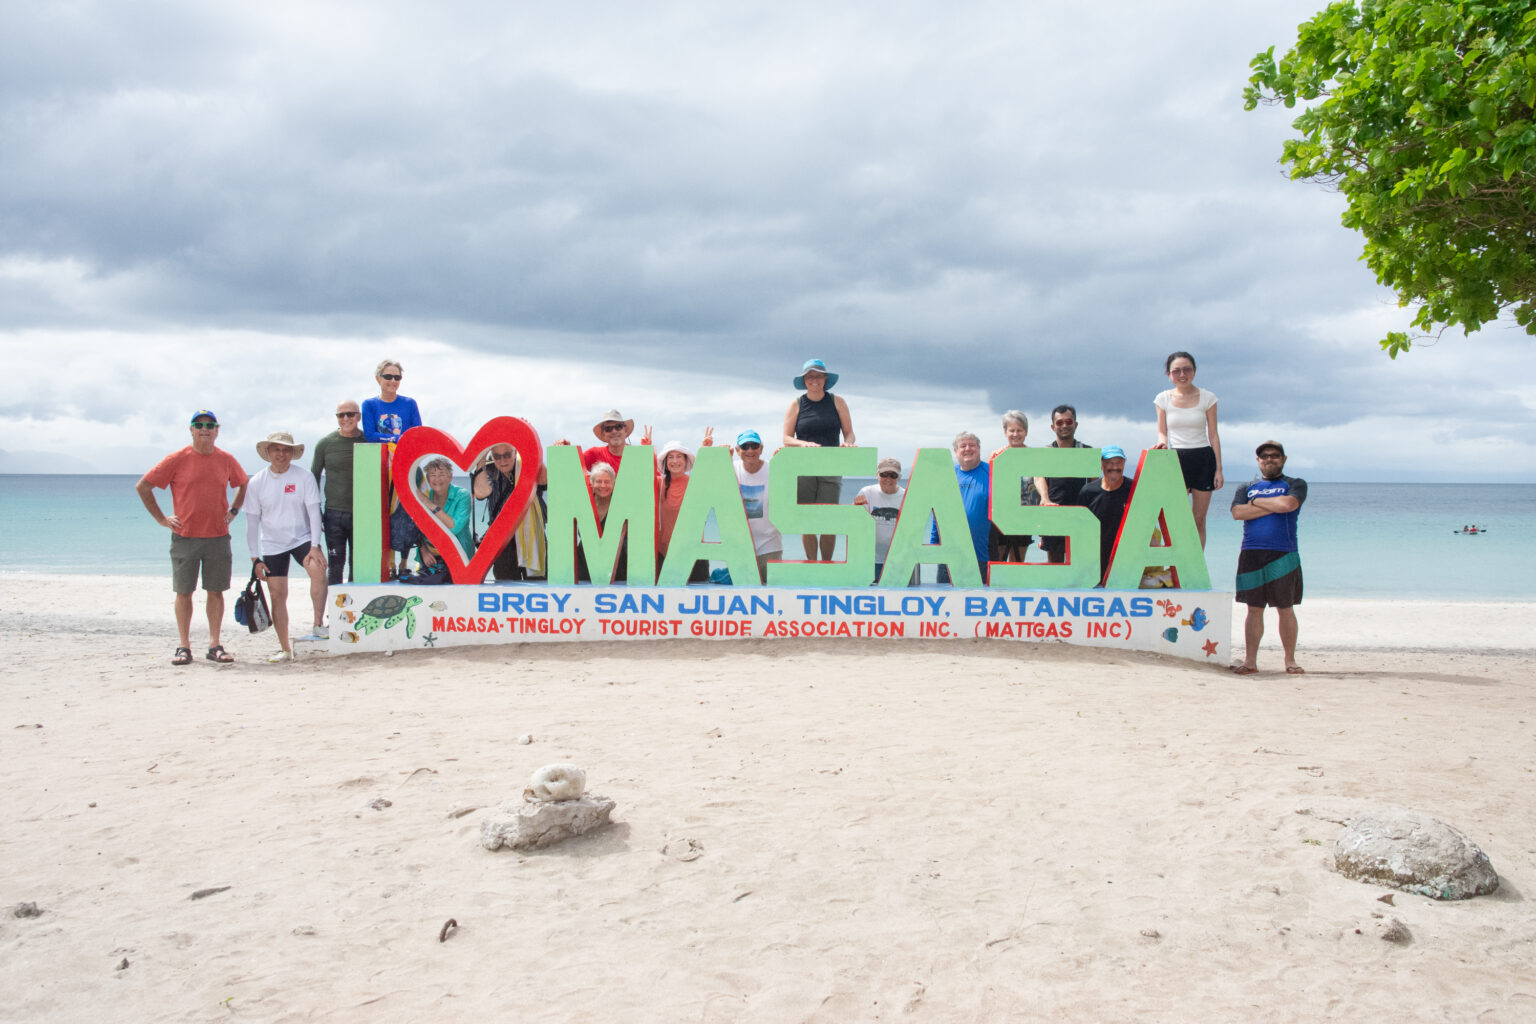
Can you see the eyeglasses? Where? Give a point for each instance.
(887, 476)
(1181, 370)
(609, 428)
(347, 415)
(204, 425)
(389, 376)
(1270, 455)
(749, 447)
(501, 456)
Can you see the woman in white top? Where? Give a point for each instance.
(1186, 422)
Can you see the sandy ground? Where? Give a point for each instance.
(920, 830)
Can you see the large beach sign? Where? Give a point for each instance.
(1035, 602)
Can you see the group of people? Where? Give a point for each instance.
(287, 523)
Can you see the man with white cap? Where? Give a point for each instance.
(282, 524)
(1107, 498)
(883, 499)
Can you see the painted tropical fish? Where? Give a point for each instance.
(1197, 620)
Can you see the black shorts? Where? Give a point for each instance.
(1270, 582)
(1199, 467)
(277, 565)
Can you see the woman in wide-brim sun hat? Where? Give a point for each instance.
(818, 419)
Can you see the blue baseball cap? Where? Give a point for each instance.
(204, 414)
(748, 436)
(1111, 451)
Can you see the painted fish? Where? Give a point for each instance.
(343, 600)
(1171, 634)
(1197, 620)
(349, 638)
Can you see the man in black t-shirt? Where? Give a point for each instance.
(1060, 490)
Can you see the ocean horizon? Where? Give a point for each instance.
(1367, 540)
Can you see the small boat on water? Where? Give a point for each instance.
(1470, 531)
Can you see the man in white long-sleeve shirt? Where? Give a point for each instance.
(282, 515)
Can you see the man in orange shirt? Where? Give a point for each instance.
(199, 477)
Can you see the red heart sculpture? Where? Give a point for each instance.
(419, 442)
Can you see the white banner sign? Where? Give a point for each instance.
(382, 617)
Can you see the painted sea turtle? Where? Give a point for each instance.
(386, 611)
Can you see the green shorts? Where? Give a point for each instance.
(191, 555)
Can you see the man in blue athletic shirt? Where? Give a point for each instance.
(1269, 566)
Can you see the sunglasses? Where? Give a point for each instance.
(347, 415)
(750, 447)
(502, 457)
(204, 425)
(887, 476)
(609, 428)
(389, 376)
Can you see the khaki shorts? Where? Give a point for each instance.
(820, 490)
(191, 555)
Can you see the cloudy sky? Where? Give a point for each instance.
(549, 209)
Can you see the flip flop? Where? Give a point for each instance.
(1243, 670)
(219, 654)
(1295, 670)
(183, 656)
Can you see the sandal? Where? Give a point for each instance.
(183, 656)
(219, 654)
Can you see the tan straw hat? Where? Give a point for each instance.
(612, 416)
(282, 437)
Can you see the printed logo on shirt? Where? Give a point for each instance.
(290, 488)
(752, 499)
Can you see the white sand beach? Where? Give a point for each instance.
(917, 830)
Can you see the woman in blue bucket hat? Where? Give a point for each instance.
(818, 419)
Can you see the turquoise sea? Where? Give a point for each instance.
(1357, 540)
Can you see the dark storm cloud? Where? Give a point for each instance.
(1038, 204)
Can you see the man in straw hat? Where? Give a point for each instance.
(199, 477)
(282, 524)
(613, 430)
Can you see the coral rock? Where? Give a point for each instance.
(1415, 853)
(556, 782)
(530, 825)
